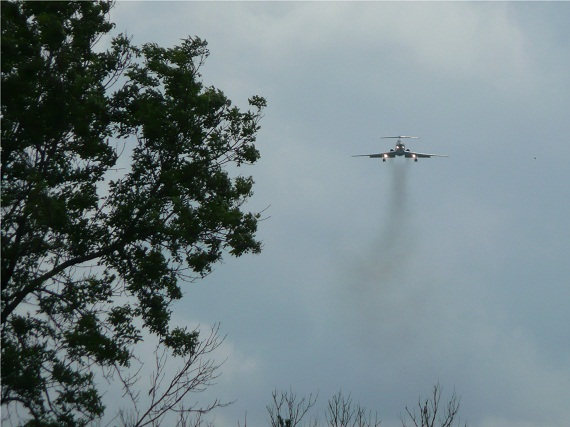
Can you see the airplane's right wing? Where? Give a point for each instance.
(390, 154)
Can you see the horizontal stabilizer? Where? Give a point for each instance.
(401, 136)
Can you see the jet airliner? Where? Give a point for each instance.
(400, 150)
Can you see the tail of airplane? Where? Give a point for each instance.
(401, 137)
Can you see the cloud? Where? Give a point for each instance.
(463, 41)
(381, 289)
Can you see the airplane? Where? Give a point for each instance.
(400, 150)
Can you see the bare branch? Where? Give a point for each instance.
(168, 393)
(342, 413)
(286, 410)
(430, 412)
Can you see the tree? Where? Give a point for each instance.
(431, 414)
(287, 410)
(342, 412)
(92, 259)
(168, 391)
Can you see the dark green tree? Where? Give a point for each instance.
(92, 257)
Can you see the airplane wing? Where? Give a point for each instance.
(412, 154)
(390, 154)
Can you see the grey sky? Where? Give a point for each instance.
(382, 279)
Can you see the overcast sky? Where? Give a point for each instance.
(382, 279)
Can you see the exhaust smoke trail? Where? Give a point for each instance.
(382, 297)
(392, 248)
(395, 240)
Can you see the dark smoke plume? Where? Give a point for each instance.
(379, 286)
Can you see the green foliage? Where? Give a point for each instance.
(85, 259)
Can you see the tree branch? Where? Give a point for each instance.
(19, 296)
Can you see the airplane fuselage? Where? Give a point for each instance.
(400, 150)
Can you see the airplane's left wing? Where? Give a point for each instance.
(412, 154)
